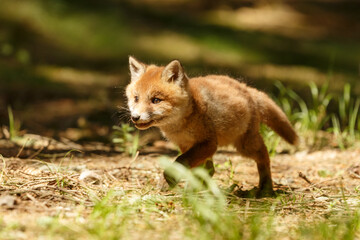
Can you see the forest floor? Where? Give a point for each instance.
(56, 192)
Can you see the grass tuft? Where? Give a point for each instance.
(314, 121)
(127, 138)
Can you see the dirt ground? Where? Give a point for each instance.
(63, 183)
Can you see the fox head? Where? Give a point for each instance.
(157, 95)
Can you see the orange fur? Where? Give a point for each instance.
(199, 114)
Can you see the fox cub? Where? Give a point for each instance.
(199, 114)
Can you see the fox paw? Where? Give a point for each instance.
(268, 192)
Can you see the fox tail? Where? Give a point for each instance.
(275, 118)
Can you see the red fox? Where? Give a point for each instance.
(199, 114)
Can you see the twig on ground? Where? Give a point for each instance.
(22, 148)
(3, 168)
(28, 195)
(133, 160)
(303, 176)
(37, 152)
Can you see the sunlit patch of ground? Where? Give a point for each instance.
(68, 187)
(276, 18)
(78, 78)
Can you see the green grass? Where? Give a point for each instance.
(342, 227)
(127, 138)
(312, 119)
(346, 125)
(14, 125)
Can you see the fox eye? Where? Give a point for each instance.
(155, 100)
(136, 98)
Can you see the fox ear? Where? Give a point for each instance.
(174, 72)
(136, 69)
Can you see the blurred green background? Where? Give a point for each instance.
(63, 63)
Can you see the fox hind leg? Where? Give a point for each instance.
(251, 145)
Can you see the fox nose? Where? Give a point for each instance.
(135, 118)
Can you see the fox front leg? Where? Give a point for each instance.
(199, 155)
